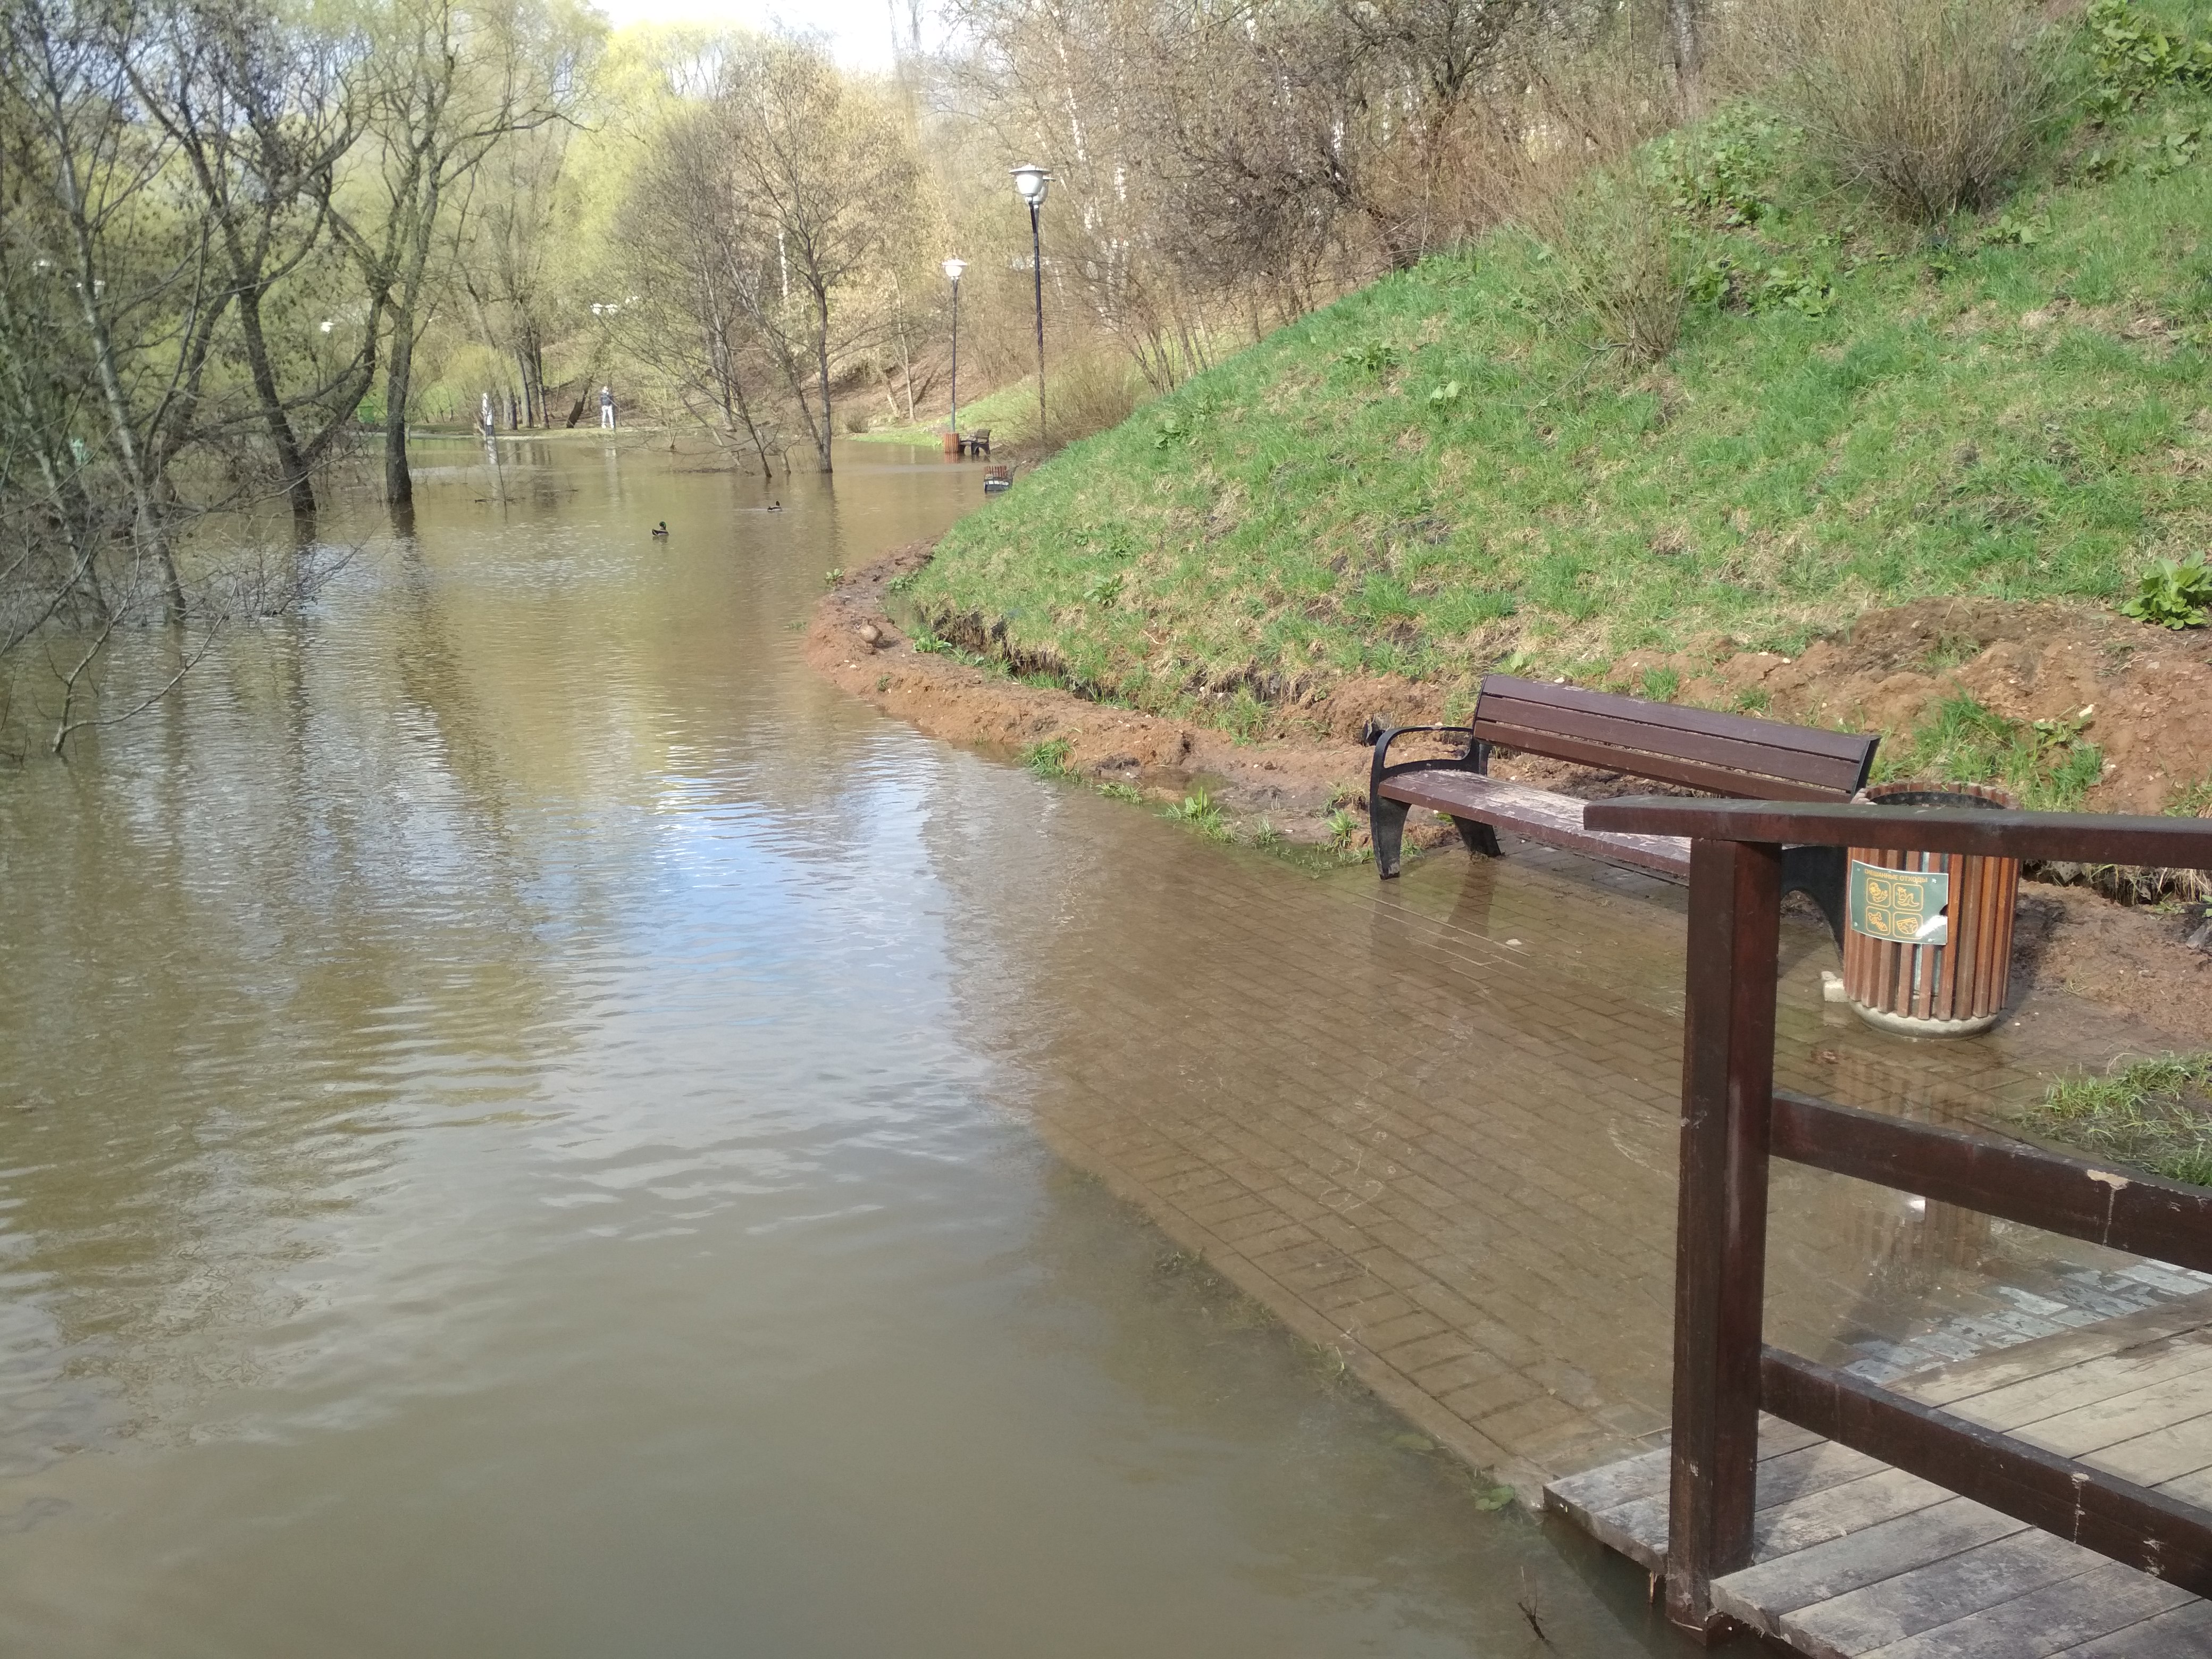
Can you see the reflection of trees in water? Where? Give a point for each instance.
(231, 997)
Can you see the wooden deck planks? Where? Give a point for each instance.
(1852, 1559)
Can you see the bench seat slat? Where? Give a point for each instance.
(1537, 813)
(1758, 766)
(1682, 717)
(1695, 775)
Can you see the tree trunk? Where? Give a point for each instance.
(289, 462)
(1682, 42)
(822, 362)
(398, 487)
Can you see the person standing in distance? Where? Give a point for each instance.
(607, 408)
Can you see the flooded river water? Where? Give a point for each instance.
(516, 1142)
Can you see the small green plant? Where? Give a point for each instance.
(1202, 813)
(1127, 792)
(2132, 58)
(1266, 837)
(1752, 700)
(1370, 357)
(1950, 651)
(1182, 426)
(1048, 759)
(2156, 1114)
(931, 646)
(1104, 589)
(1444, 396)
(1660, 685)
(2192, 801)
(882, 682)
(833, 576)
(1719, 172)
(1780, 289)
(2015, 229)
(2177, 595)
(1343, 825)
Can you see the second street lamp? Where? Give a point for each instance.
(1029, 183)
(953, 270)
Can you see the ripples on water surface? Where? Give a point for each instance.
(511, 1158)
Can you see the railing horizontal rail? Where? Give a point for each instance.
(2170, 843)
(2115, 1517)
(2133, 1212)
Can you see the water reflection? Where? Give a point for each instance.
(512, 1155)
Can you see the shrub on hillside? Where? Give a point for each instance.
(1933, 103)
(1098, 390)
(1626, 258)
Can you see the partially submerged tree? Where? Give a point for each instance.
(824, 166)
(450, 82)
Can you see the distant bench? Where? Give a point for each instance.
(1719, 753)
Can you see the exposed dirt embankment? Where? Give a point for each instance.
(2148, 697)
(1293, 785)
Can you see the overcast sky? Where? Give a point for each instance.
(859, 30)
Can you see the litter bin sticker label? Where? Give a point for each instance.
(1911, 906)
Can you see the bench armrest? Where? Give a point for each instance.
(1379, 768)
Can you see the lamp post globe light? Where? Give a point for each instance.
(953, 270)
(1030, 182)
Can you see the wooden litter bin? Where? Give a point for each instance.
(1927, 943)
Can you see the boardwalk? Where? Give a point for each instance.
(1853, 1558)
(1445, 1152)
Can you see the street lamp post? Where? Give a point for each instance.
(953, 270)
(1029, 183)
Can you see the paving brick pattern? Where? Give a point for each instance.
(1432, 1125)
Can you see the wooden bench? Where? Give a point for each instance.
(976, 443)
(1719, 753)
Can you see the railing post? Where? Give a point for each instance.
(1720, 1239)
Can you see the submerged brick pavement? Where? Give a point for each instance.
(1432, 1125)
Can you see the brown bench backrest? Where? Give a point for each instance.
(1697, 748)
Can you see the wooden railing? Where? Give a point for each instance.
(1733, 1122)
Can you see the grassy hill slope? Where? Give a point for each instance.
(1445, 472)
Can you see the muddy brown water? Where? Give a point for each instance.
(512, 1143)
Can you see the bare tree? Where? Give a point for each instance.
(827, 165)
(263, 113)
(452, 82)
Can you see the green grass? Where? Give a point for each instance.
(2047, 764)
(1010, 412)
(2155, 1114)
(1445, 471)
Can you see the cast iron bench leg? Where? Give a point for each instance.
(1479, 837)
(1386, 828)
(1817, 873)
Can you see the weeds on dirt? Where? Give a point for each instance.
(1123, 792)
(2191, 801)
(1201, 812)
(1048, 759)
(2049, 764)
(2154, 1114)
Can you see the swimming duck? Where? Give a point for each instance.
(660, 530)
(775, 507)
